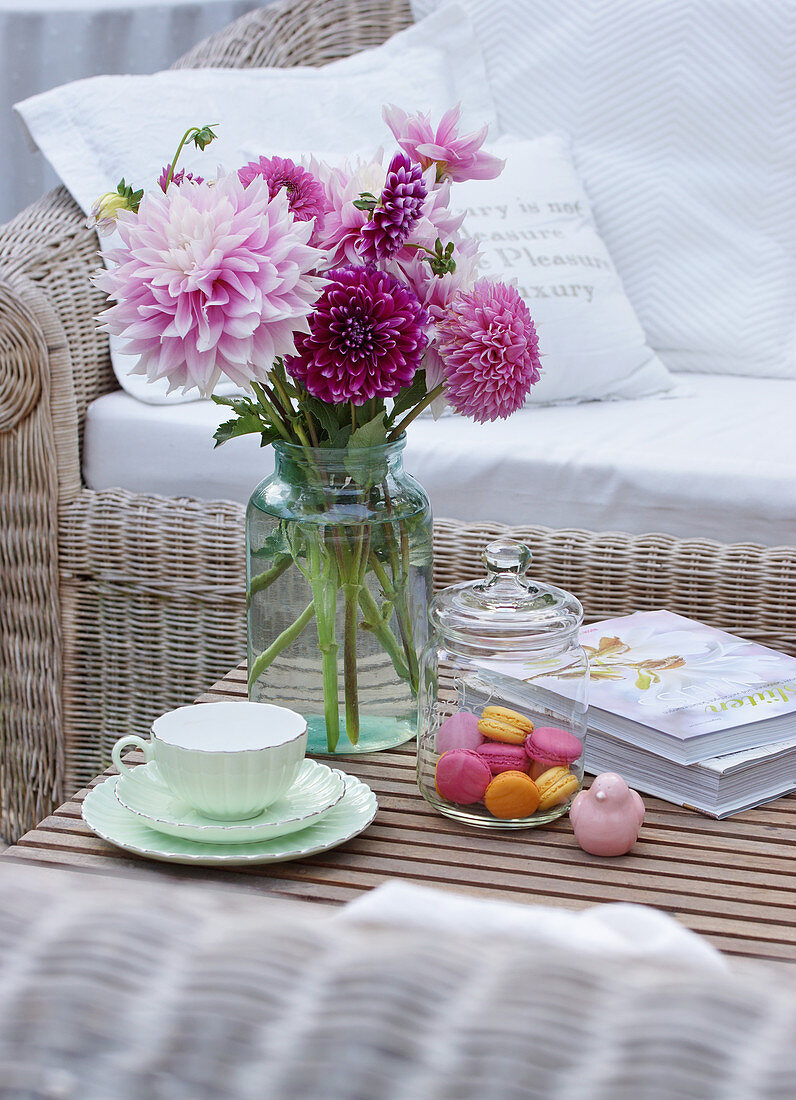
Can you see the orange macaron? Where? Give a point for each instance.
(512, 795)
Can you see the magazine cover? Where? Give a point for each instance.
(683, 678)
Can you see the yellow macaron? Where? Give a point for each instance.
(502, 724)
(556, 785)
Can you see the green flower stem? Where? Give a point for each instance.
(402, 425)
(357, 568)
(285, 639)
(351, 594)
(280, 389)
(397, 596)
(275, 418)
(324, 590)
(185, 137)
(404, 621)
(267, 578)
(282, 400)
(374, 621)
(400, 575)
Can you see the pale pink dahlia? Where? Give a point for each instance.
(456, 158)
(343, 221)
(366, 339)
(489, 350)
(396, 212)
(305, 194)
(212, 280)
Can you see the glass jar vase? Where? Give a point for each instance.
(503, 697)
(339, 553)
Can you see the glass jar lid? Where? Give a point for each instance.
(506, 608)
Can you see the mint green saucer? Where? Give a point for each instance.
(105, 816)
(315, 791)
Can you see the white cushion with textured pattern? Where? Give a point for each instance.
(717, 461)
(683, 119)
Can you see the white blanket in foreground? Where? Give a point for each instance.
(620, 931)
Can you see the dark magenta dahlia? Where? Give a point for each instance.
(367, 337)
(397, 211)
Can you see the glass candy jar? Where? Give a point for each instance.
(503, 697)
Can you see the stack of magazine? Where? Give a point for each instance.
(689, 713)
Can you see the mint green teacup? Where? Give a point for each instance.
(228, 760)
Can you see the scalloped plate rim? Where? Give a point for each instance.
(358, 820)
(244, 830)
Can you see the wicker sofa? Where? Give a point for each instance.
(115, 605)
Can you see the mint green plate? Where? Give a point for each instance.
(315, 791)
(105, 816)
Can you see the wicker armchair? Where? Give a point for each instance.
(116, 606)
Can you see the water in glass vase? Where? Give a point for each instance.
(339, 556)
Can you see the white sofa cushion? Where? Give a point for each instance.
(535, 228)
(682, 114)
(717, 462)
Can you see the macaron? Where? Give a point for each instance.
(556, 785)
(511, 795)
(462, 776)
(459, 731)
(502, 724)
(538, 767)
(504, 758)
(552, 745)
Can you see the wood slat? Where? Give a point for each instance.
(732, 881)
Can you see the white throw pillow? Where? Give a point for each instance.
(536, 229)
(95, 131)
(683, 116)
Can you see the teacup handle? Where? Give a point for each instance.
(125, 743)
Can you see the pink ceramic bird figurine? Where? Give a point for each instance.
(607, 817)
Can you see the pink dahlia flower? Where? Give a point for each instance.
(366, 339)
(456, 158)
(305, 194)
(489, 350)
(396, 213)
(343, 222)
(212, 280)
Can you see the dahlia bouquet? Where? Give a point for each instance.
(343, 302)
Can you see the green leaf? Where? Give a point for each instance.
(372, 434)
(409, 396)
(241, 405)
(337, 434)
(241, 425)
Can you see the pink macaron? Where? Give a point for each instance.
(552, 745)
(460, 731)
(462, 776)
(505, 758)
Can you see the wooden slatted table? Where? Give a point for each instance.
(734, 881)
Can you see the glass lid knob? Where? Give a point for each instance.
(507, 556)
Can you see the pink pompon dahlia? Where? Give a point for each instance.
(396, 212)
(212, 280)
(305, 194)
(489, 350)
(367, 337)
(456, 158)
(179, 177)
